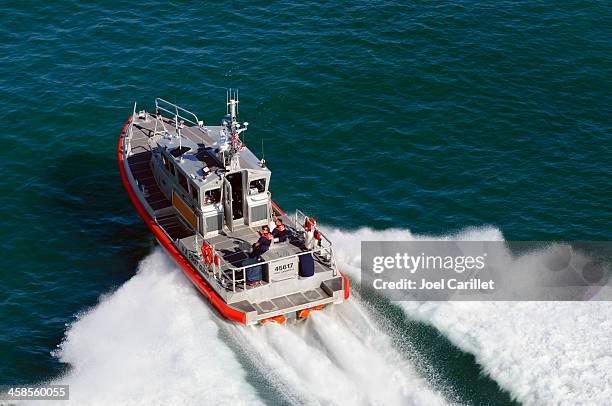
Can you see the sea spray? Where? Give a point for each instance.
(542, 352)
(153, 341)
(338, 356)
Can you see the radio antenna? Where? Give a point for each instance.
(227, 96)
(263, 155)
(178, 131)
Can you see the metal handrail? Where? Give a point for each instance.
(231, 281)
(127, 138)
(217, 272)
(321, 249)
(299, 223)
(159, 107)
(132, 120)
(313, 251)
(159, 133)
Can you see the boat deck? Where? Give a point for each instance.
(140, 168)
(233, 247)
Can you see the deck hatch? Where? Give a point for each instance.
(312, 295)
(267, 306)
(281, 302)
(297, 299)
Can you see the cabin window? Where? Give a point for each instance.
(194, 193)
(169, 166)
(259, 184)
(213, 196)
(182, 181)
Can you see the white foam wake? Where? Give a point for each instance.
(542, 352)
(155, 341)
(337, 357)
(152, 342)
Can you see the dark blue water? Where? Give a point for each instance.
(432, 116)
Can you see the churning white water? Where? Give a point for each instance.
(152, 342)
(541, 352)
(156, 341)
(339, 356)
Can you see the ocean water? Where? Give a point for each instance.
(382, 119)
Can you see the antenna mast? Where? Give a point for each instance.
(263, 155)
(232, 126)
(232, 106)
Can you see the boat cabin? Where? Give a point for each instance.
(207, 193)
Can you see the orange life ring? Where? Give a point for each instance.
(217, 260)
(207, 253)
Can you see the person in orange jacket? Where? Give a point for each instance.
(263, 243)
(280, 231)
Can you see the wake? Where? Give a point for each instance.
(152, 342)
(339, 356)
(156, 341)
(541, 352)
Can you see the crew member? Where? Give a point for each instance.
(263, 243)
(279, 231)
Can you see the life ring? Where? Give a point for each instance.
(207, 253)
(217, 260)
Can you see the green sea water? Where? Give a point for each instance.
(432, 116)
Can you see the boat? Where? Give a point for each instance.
(205, 196)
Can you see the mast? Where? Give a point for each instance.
(233, 127)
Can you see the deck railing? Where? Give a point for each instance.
(322, 249)
(176, 112)
(241, 281)
(127, 137)
(232, 278)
